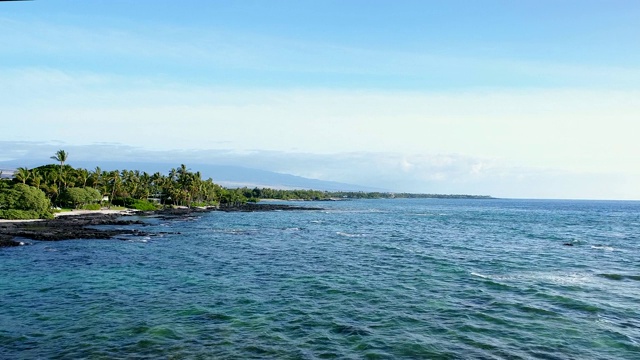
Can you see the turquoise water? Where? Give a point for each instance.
(424, 278)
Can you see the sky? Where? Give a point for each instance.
(524, 99)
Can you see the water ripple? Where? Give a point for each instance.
(483, 279)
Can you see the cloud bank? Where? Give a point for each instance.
(434, 173)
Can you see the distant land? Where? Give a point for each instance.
(225, 175)
(38, 191)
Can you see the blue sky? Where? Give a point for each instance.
(510, 98)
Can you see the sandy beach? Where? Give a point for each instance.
(77, 212)
(103, 211)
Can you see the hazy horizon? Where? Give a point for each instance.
(528, 99)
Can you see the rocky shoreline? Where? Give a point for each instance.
(80, 226)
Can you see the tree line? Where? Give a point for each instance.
(64, 186)
(32, 193)
(315, 195)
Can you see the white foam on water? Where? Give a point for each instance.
(349, 235)
(556, 278)
(602, 247)
(479, 275)
(564, 279)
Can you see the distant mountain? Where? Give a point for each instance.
(225, 175)
(6, 173)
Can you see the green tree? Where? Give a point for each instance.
(36, 180)
(24, 201)
(83, 176)
(95, 177)
(22, 174)
(78, 197)
(61, 156)
(114, 182)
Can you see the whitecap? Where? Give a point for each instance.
(557, 278)
(602, 247)
(349, 235)
(479, 275)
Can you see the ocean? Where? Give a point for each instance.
(373, 279)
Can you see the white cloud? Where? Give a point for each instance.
(133, 84)
(429, 173)
(572, 129)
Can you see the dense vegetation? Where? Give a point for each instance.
(267, 193)
(33, 192)
(20, 201)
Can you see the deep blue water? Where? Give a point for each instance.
(424, 278)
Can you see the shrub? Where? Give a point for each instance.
(143, 205)
(13, 214)
(77, 197)
(24, 202)
(47, 215)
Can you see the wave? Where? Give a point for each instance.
(557, 278)
(603, 247)
(236, 231)
(350, 235)
(480, 275)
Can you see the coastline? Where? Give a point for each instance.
(75, 213)
(76, 225)
(102, 211)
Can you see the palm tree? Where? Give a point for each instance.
(36, 180)
(145, 186)
(114, 181)
(83, 176)
(131, 182)
(50, 188)
(22, 174)
(96, 177)
(60, 156)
